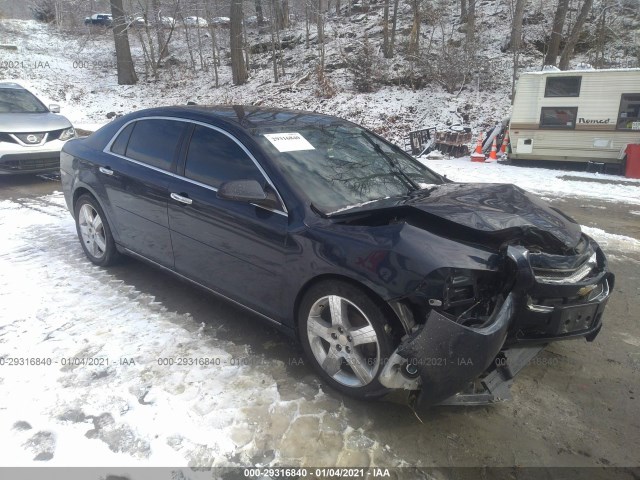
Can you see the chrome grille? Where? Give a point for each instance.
(567, 276)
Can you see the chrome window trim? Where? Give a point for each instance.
(107, 150)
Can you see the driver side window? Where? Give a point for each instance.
(213, 158)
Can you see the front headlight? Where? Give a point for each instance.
(67, 134)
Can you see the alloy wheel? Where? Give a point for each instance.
(343, 341)
(92, 231)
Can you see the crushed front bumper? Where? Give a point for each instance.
(445, 361)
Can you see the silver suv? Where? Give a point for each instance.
(31, 135)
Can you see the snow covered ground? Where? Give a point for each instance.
(90, 365)
(96, 389)
(543, 181)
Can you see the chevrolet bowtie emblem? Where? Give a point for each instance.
(584, 291)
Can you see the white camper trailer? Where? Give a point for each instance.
(579, 116)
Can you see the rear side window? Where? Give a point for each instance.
(155, 142)
(558, 117)
(119, 145)
(563, 87)
(213, 158)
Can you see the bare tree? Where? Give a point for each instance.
(307, 23)
(214, 42)
(274, 53)
(320, 32)
(284, 12)
(126, 70)
(515, 39)
(463, 10)
(571, 42)
(156, 22)
(471, 23)
(414, 36)
(556, 32)
(238, 68)
(259, 14)
(385, 30)
(394, 24)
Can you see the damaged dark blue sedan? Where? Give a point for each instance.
(391, 276)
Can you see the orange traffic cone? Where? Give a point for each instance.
(494, 150)
(505, 143)
(477, 155)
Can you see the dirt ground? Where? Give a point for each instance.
(576, 407)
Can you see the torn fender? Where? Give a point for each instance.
(449, 355)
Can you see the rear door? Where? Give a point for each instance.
(234, 248)
(144, 158)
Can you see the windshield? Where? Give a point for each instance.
(13, 100)
(340, 165)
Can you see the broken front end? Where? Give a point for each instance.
(468, 332)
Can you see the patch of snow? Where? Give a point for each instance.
(103, 385)
(539, 180)
(612, 241)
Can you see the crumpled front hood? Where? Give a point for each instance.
(497, 207)
(32, 122)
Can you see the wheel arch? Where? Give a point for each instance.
(83, 189)
(325, 277)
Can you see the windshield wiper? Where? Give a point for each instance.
(413, 186)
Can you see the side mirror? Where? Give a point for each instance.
(54, 108)
(248, 191)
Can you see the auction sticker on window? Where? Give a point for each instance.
(289, 142)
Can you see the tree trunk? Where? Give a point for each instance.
(556, 32)
(516, 26)
(259, 15)
(463, 10)
(126, 71)
(567, 51)
(214, 46)
(471, 24)
(320, 23)
(156, 22)
(414, 37)
(284, 8)
(238, 69)
(385, 30)
(274, 54)
(393, 28)
(306, 23)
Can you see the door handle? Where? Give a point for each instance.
(106, 170)
(181, 199)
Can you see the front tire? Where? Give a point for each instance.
(94, 232)
(344, 332)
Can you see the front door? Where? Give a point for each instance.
(234, 248)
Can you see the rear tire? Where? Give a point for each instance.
(345, 335)
(94, 231)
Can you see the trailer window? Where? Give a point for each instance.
(629, 114)
(558, 117)
(563, 87)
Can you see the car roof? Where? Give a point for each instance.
(12, 85)
(246, 117)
